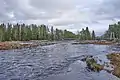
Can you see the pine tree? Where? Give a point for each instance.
(57, 35)
(93, 35)
(82, 34)
(35, 32)
(9, 32)
(28, 33)
(2, 31)
(87, 34)
(52, 33)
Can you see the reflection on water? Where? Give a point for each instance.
(54, 62)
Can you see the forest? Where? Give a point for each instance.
(113, 32)
(23, 32)
(85, 34)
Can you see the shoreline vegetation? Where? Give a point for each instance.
(12, 33)
(97, 42)
(34, 43)
(23, 44)
(115, 61)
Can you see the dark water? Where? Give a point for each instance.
(54, 62)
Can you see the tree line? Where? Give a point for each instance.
(85, 34)
(113, 31)
(23, 32)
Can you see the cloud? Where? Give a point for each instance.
(64, 14)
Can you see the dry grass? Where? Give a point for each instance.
(115, 60)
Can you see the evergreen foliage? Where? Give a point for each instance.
(113, 30)
(93, 35)
(85, 34)
(23, 32)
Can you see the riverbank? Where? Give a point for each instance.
(23, 44)
(101, 42)
(115, 61)
(112, 65)
(33, 43)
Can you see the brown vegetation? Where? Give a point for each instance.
(103, 42)
(115, 60)
(95, 42)
(14, 45)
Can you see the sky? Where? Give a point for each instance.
(72, 15)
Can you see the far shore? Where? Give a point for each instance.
(98, 42)
(34, 43)
(7, 45)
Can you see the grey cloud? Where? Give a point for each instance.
(61, 12)
(23, 12)
(110, 8)
(52, 4)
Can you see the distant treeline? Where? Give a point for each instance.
(85, 34)
(23, 32)
(113, 31)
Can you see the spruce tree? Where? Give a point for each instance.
(93, 35)
(52, 33)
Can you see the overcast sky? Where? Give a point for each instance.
(63, 14)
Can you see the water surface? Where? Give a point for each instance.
(60, 61)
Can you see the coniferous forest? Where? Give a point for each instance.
(113, 32)
(85, 34)
(23, 32)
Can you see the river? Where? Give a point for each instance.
(60, 61)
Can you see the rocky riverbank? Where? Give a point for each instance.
(23, 44)
(115, 61)
(15, 45)
(95, 42)
(112, 66)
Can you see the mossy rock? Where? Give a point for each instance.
(92, 65)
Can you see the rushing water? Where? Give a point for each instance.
(61, 61)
